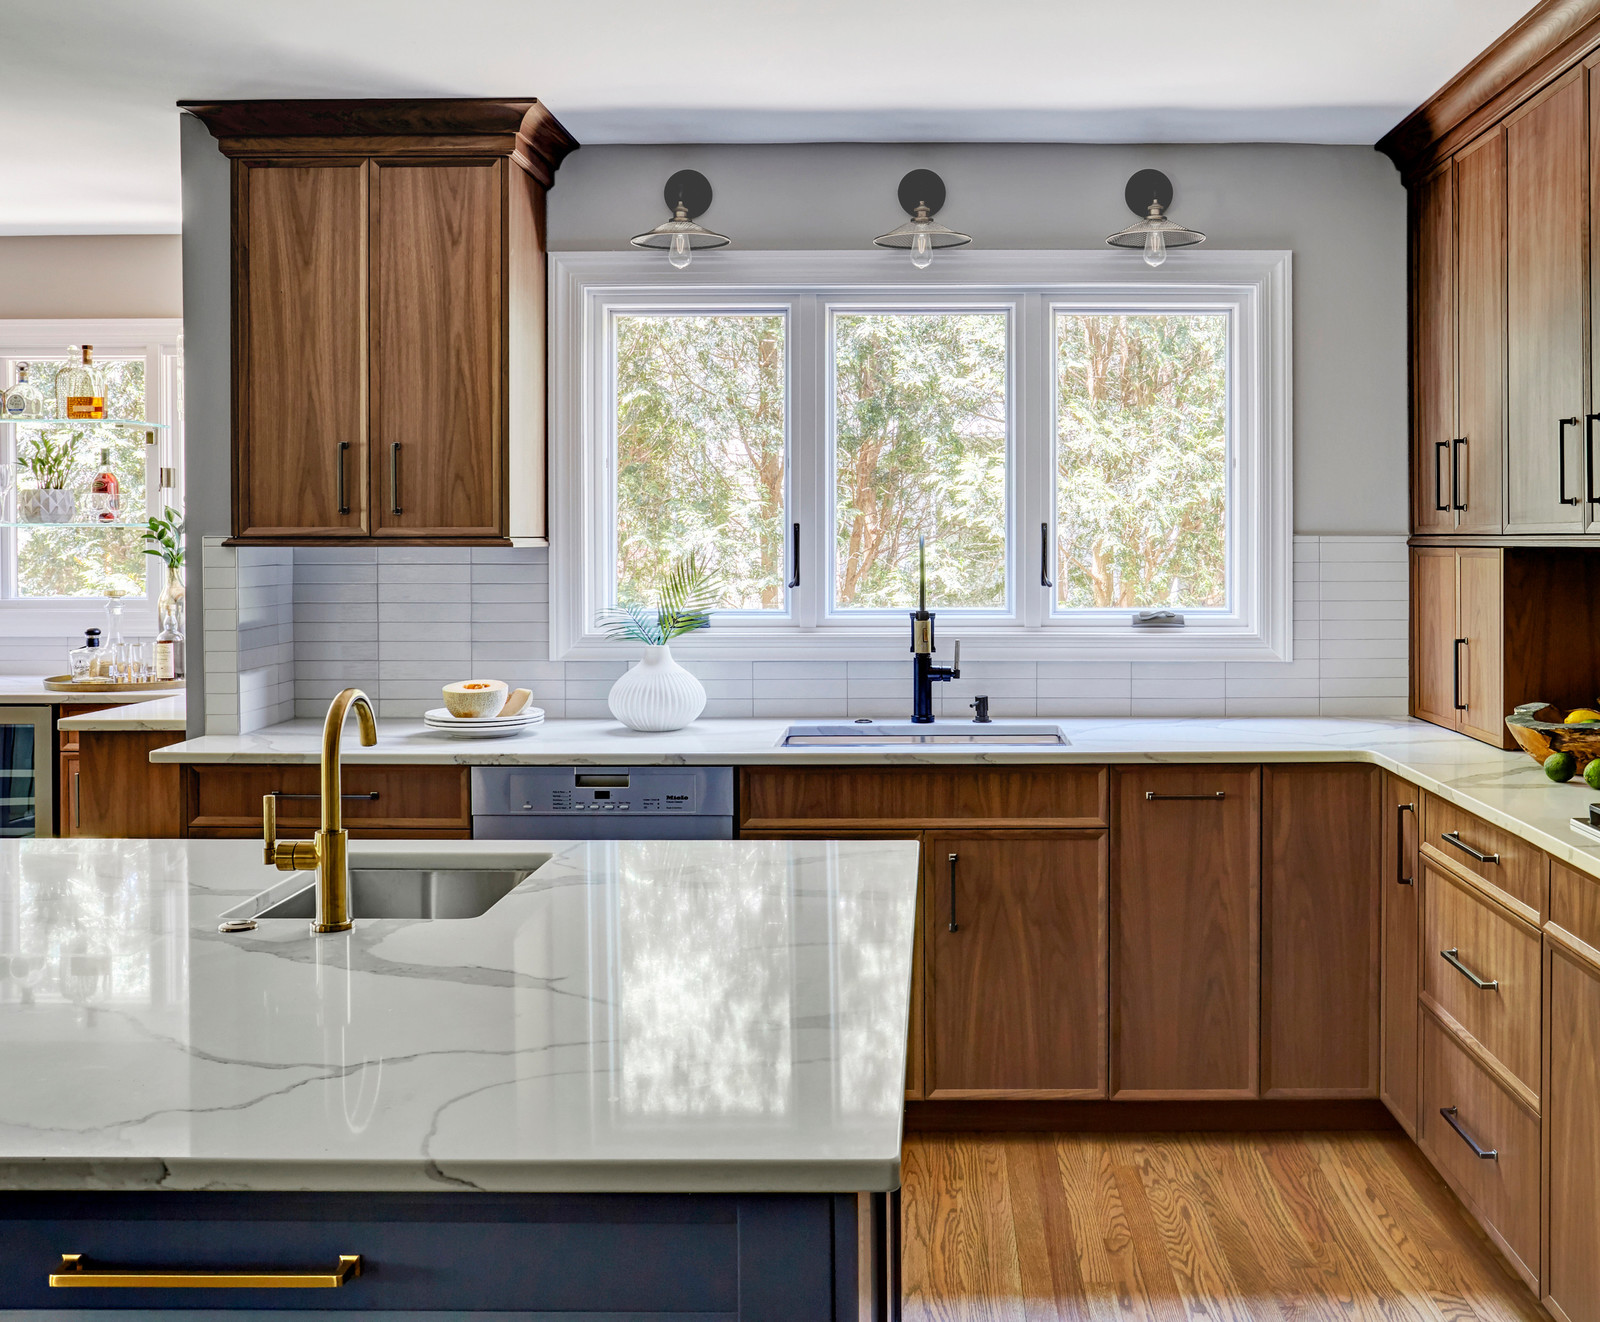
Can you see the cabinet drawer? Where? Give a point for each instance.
(1500, 858)
(1490, 944)
(1502, 1192)
(425, 801)
(898, 798)
(1575, 903)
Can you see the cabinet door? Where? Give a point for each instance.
(1185, 945)
(71, 794)
(1547, 209)
(1320, 932)
(1478, 599)
(438, 348)
(1477, 459)
(1433, 636)
(1433, 374)
(1400, 826)
(300, 349)
(1015, 935)
(1572, 1122)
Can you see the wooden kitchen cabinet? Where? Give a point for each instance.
(1478, 447)
(389, 318)
(1433, 375)
(1185, 932)
(1547, 300)
(1399, 827)
(381, 802)
(118, 793)
(1015, 938)
(1320, 936)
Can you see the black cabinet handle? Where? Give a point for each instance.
(1045, 581)
(1439, 502)
(1400, 841)
(344, 499)
(394, 478)
(370, 796)
(1449, 1114)
(954, 926)
(1452, 957)
(1456, 503)
(1454, 838)
(1561, 458)
(1588, 457)
(1456, 681)
(1151, 796)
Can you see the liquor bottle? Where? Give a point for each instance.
(82, 659)
(23, 400)
(80, 392)
(105, 493)
(169, 648)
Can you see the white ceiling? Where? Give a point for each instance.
(89, 138)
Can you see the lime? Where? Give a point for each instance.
(1560, 766)
(1591, 774)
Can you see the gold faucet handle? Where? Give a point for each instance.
(285, 855)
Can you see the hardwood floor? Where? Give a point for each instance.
(1180, 1226)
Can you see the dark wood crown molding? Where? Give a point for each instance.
(522, 126)
(1546, 41)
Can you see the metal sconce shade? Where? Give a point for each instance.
(1149, 194)
(687, 195)
(921, 194)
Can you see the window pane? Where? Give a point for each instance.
(920, 448)
(700, 453)
(1141, 460)
(75, 560)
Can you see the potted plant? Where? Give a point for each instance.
(49, 460)
(658, 693)
(164, 537)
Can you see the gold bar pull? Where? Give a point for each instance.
(75, 1270)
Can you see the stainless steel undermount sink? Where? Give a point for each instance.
(843, 733)
(453, 892)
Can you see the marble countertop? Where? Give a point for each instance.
(16, 689)
(584, 1034)
(1507, 789)
(134, 717)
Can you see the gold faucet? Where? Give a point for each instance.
(326, 851)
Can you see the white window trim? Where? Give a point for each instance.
(1253, 285)
(157, 340)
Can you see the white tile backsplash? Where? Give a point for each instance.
(402, 621)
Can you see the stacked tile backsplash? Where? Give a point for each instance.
(401, 621)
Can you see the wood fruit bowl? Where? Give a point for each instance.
(1537, 727)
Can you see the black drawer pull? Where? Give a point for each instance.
(1439, 501)
(1452, 958)
(338, 469)
(394, 479)
(1152, 797)
(1400, 850)
(1454, 838)
(1488, 1154)
(954, 926)
(1561, 456)
(280, 794)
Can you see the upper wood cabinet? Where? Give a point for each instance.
(389, 289)
(1433, 375)
(1478, 448)
(1457, 641)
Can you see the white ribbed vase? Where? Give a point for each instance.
(657, 694)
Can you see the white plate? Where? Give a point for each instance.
(496, 732)
(441, 716)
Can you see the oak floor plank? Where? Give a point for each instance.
(1188, 1227)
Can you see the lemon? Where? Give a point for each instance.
(1582, 716)
(1560, 766)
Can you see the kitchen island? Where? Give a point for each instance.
(663, 1075)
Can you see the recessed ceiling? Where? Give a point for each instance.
(90, 136)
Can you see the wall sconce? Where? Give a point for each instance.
(1149, 194)
(687, 195)
(921, 196)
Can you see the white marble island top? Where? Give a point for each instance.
(635, 1016)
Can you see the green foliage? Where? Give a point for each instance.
(688, 596)
(165, 539)
(50, 458)
(921, 418)
(1142, 460)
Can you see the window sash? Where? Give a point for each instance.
(811, 288)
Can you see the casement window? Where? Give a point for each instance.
(55, 578)
(1078, 440)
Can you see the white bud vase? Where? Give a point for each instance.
(657, 694)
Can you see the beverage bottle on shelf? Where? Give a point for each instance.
(169, 648)
(80, 391)
(23, 400)
(82, 659)
(105, 491)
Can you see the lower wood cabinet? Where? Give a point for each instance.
(1015, 938)
(1185, 932)
(118, 793)
(381, 802)
(1572, 1123)
(1321, 858)
(1398, 889)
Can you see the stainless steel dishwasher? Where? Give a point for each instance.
(602, 803)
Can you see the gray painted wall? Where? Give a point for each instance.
(1340, 209)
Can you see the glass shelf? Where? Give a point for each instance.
(76, 523)
(82, 424)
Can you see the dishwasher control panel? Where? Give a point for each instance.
(636, 791)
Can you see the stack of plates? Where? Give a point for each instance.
(527, 720)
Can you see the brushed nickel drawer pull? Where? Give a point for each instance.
(1400, 851)
(1152, 796)
(1454, 838)
(1450, 958)
(954, 926)
(75, 1270)
(1488, 1154)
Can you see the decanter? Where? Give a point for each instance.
(80, 389)
(23, 400)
